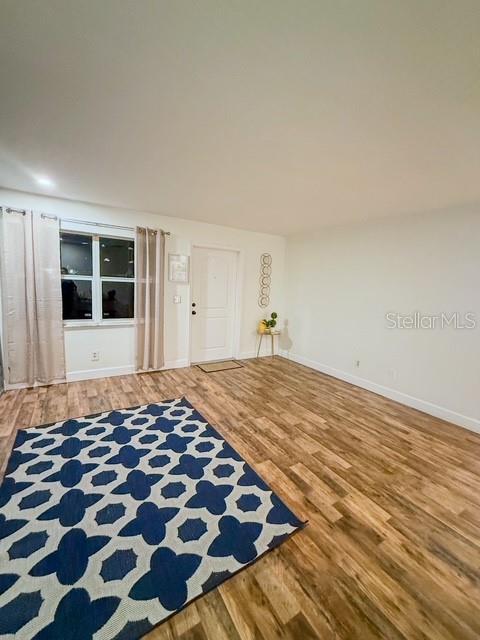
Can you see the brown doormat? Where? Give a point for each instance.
(213, 367)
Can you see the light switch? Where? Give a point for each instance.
(177, 299)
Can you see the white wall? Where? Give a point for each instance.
(337, 285)
(116, 344)
(342, 281)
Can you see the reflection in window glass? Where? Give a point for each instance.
(76, 254)
(77, 299)
(117, 300)
(116, 258)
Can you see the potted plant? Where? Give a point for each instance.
(266, 325)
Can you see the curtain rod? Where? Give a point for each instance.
(99, 224)
(11, 210)
(93, 224)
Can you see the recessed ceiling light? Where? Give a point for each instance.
(44, 181)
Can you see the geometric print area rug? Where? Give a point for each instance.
(111, 523)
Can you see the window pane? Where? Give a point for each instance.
(117, 300)
(77, 299)
(76, 254)
(116, 258)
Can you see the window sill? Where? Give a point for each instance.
(90, 324)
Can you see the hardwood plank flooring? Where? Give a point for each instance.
(392, 495)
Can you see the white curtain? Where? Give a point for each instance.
(32, 299)
(149, 270)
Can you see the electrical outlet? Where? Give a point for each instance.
(177, 299)
(95, 356)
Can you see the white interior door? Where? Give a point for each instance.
(214, 276)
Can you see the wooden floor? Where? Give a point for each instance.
(392, 495)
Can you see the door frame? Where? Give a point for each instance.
(237, 323)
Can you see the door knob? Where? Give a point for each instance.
(194, 313)
(194, 304)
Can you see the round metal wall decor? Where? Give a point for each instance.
(265, 280)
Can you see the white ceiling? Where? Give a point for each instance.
(268, 115)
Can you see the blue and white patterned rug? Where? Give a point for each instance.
(112, 522)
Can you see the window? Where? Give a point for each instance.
(76, 268)
(97, 277)
(116, 269)
(76, 254)
(117, 299)
(116, 257)
(77, 299)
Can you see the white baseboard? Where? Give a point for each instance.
(108, 372)
(410, 401)
(23, 385)
(176, 364)
(248, 355)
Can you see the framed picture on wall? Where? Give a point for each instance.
(178, 268)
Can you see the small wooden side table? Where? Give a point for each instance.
(269, 333)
